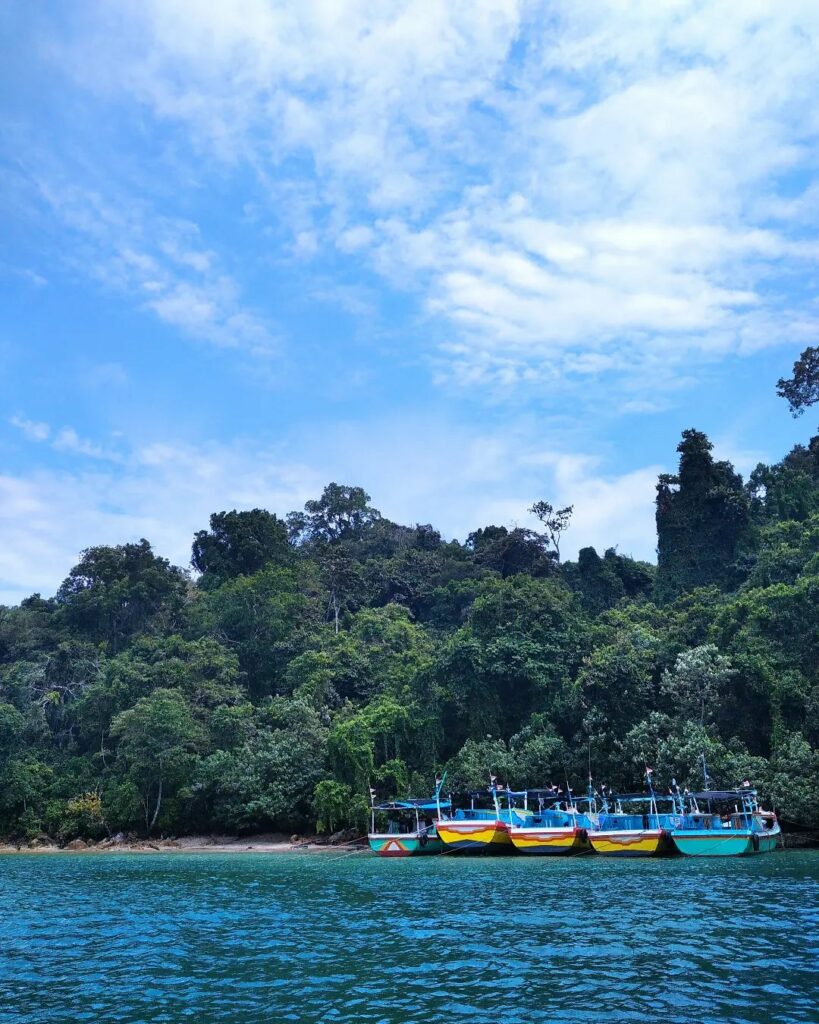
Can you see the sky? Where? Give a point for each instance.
(465, 255)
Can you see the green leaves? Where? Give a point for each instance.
(332, 801)
(268, 780)
(703, 521)
(696, 685)
(802, 388)
(116, 592)
(158, 739)
(298, 671)
(239, 544)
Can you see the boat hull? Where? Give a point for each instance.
(490, 837)
(546, 842)
(730, 843)
(632, 843)
(410, 845)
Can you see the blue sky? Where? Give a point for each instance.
(465, 255)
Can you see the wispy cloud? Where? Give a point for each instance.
(456, 476)
(159, 262)
(65, 440)
(571, 189)
(32, 429)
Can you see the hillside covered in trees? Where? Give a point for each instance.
(303, 660)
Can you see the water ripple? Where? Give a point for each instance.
(352, 939)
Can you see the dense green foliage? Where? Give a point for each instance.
(802, 388)
(310, 658)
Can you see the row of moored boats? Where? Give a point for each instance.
(554, 822)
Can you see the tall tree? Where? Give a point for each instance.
(696, 683)
(511, 551)
(555, 521)
(115, 592)
(158, 742)
(239, 544)
(802, 388)
(340, 513)
(703, 521)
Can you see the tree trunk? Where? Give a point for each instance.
(156, 809)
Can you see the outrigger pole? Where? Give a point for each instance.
(439, 785)
(493, 789)
(653, 805)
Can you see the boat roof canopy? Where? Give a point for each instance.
(483, 794)
(641, 796)
(723, 794)
(413, 804)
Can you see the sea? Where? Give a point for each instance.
(340, 937)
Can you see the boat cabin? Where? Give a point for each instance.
(642, 812)
(554, 808)
(406, 817)
(495, 804)
(732, 809)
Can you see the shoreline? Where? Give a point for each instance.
(191, 844)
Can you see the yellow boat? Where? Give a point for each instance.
(550, 840)
(483, 829)
(621, 834)
(476, 835)
(558, 827)
(648, 842)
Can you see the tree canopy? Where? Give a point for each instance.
(310, 658)
(801, 389)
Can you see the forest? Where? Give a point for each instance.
(301, 660)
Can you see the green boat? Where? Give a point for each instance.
(725, 823)
(405, 828)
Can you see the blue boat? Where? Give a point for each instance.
(484, 826)
(636, 827)
(406, 828)
(725, 823)
(559, 826)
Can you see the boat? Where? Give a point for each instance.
(484, 826)
(706, 830)
(557, 827)
(641, 830)
(410, 829)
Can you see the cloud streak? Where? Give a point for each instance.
(158, 262)
(569, 189)
(415, 469)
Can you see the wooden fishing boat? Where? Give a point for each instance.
(557, 826)
(746, 829)
(409, 829)
(642, 831)
(484, 829)
(625, 835)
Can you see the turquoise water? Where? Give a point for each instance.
(338, 938)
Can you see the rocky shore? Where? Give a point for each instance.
(270, 842)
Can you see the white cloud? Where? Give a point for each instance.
(65, 440)
(569, 189)
(68, 440)
(159, 261)
(417, 470)
(32, 429)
